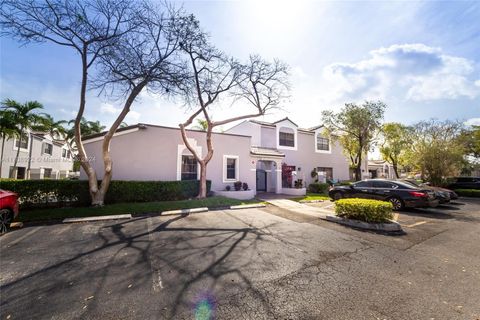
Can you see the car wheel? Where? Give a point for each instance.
(396, 203)
(337, 196)
(5, 220)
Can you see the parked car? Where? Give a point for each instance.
(465, 183)
(400, 194)
(8, 209)
(443, 194)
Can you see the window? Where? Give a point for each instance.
(384, 185)
(189, 168)
(24, 143)
(287, 139)
(363, 184)
(20, 172)
(47, 148)
(323, 144)
(47, 173)
(328, 172)
(64, 153)
(230, 170)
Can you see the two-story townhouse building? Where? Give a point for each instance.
(40, 157)
(283, 144)
(252, 151)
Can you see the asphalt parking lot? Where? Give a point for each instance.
(245, 264)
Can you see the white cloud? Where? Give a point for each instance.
(473, 122)
(108, 108)
(132, 117)
(416, 71)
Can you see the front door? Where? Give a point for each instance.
(261, 180)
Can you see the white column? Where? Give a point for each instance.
(278, 170)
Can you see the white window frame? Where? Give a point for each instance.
(15, 148)
(182, 150)
(198, 165)
(293, 128)
(43, 149)
(237, 168)
(319, 134)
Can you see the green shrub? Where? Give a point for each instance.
(364, 209)
(468, 193)
(318, 187)
(60, 193)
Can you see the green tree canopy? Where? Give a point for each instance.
(395, 141)
(357, 127)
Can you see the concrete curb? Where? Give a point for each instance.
(311, 201)
(184, 211)
(393, 226)
(248, 206)
(99, 218)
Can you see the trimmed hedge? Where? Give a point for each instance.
(468, 193)
(60, 193)
(364, 210)
(318, 187)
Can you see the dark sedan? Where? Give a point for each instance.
(465, 183)
(444, 195)
(400, 194)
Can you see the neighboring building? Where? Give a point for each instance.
(40, 157)
(380, 169)
(252, 152)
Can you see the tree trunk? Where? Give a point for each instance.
(358, 169)
(202, 193)
(18, 153)
(395, 169)
(82, 155)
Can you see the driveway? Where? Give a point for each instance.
(245, 264)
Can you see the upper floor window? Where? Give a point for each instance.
(64, 153)
(189, 167)
(323, 144)
(22, 144)
(47, 148)
(287, 139)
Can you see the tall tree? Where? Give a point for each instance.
(436, 150)
(142, 59)
(395, 141)
(212, 76)
(8, 130)
(25, 118)
(104, 33)
(357, 125)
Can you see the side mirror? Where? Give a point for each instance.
(352, 187)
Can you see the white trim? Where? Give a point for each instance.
(237, 168)
(43, 151)
(180, 152)
(317, 133)
(289, 125)
(116, 134)
(22, 149)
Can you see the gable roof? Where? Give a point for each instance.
(286, 119)
(274, 124)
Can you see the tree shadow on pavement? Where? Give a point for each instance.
(195, 264)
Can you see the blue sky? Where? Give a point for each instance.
(421, 58)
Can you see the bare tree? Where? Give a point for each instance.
(87, 26)
(214, 75)
(145, 58)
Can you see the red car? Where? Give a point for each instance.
(8, 209)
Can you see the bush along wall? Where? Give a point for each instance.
(364, 210)
(318, 187)
(60, 193)
(468, 193)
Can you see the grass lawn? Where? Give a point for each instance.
(312, 196)
(132, 208)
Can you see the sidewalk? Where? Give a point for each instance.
(300, 208)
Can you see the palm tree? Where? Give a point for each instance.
(201, 125)
(25, 118)
(55, 128)
(7, 130)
